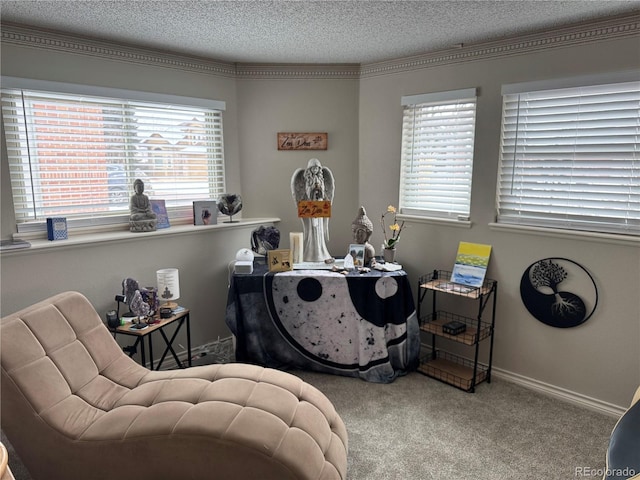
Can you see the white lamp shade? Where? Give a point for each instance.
(168, 284)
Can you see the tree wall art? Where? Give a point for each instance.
(559, 292)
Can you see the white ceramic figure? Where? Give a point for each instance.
(314, 183)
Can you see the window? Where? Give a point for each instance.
(437, 153)
(76, 155)
(570, 157)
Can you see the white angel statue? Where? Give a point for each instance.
(314, 183)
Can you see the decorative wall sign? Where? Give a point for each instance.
(302, 141)
(314, 209)
(559, 292)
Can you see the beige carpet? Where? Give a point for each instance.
(417, 428)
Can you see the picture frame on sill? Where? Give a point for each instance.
(160, 209)
(205, 212)
(356, 250)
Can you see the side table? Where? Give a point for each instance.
(182, 317)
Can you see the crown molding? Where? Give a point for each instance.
(298, 71)
(47, 39)
(580, 34)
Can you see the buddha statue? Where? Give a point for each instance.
(362, 228)
(142, 218)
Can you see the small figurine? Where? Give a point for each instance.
(230, 204)
(142, 217)
(362, 228)
(264, 239)
(138, 306)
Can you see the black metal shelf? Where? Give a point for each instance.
(439, 280)
(455, 370)
(434, 322)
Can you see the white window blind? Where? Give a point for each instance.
(77, 155)
(437, 153)
(570, 158)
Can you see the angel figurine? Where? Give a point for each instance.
(314, 183)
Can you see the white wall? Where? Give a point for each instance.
(599, 360)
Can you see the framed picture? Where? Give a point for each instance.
(279, 260)
(160, 209)
(302, 141)
(471, 264)
(356, 250)
(205, 212)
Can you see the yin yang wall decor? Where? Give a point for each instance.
(559, 292)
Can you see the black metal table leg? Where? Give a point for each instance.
(170, 345)
(188, 338)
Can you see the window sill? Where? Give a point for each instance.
(449, 222)
(627, 240)
(95, 238)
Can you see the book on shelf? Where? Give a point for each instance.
(471, 264)
(205, 212)
(56, 228)
(159, 207)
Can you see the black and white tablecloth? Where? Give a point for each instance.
(361, 325)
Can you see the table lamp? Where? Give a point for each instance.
(168, 287)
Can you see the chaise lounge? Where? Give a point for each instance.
(623, 458)
(74, 406)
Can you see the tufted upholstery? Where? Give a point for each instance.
(623, 461)
(76, 407)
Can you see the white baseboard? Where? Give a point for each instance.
(560, 393)
(552, 390)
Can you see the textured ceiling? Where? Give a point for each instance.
(305, 31)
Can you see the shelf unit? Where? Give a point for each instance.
(447, 367)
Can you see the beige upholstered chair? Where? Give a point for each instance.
(74, 406)
(5, 471)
